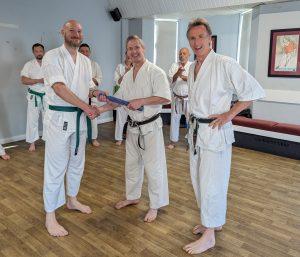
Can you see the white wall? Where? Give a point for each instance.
(35, 20)
(283, 94)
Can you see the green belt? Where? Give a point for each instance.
(116, 88)
(79, 112)
(41, 95)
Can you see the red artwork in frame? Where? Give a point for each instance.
(284, 55)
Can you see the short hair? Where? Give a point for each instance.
(135, 37)
(199, 22)
(37, 45)
(85, 45)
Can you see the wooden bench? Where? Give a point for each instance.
(268, 136)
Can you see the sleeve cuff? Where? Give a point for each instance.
(56, 79)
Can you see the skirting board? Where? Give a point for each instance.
(22, 137)
(268, 145)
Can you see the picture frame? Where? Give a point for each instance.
(284, 53)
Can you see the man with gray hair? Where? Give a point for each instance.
(68, 82)
(212, 81)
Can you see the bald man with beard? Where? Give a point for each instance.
(68, 82)
(178, 75)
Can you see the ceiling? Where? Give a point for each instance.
(176, 9)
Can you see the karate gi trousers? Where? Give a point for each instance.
(177, 109)
(60, 160)
(153, 161)
(210, 172)
(34, 108)
(121, 119)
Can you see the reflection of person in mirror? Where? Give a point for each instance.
(286, 59)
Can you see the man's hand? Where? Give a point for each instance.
(91, 111)
(220, 119)
(178, 73)
(102, 96)
(40, 81)
(135, 104)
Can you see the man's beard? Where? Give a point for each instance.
(39, 57)
(72, 42)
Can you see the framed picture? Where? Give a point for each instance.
(284, 56)
(214, 43)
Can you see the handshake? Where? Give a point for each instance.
(92, 111)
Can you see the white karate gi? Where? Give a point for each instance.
(150, 81)
(60, 127)
(97, 74)
(121, 116)
(179, 106)
(218, 79)
(2, 151)
(33, 70)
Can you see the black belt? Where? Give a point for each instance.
(195, 132)
(133, 124)
(180, 96)
(201, 120)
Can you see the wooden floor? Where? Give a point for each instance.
(263, 207)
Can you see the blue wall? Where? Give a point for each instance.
(34, 21)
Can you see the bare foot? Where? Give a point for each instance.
(151, 215)
(199, 229)
(171, 146)
(205, 242)
(5, 157)
(119, 142)
(124, 203)
(74, 204)
(31, 147)
(95, 143)
(53, 227)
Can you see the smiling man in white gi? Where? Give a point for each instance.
(144, 85)
(32, 76)
(212, 81)
(68, 79)
(178, 81)
(97, 78)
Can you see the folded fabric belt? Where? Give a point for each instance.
(41, 95)
(132, 123)
(79, 112)
(180, 96)
(195, 132)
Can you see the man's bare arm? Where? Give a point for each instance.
(67, 95)
(152, 100)
(28, 81)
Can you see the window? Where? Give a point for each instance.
(165, 43)
(244, 39)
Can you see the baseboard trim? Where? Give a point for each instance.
(270, 145)
(23, 136)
